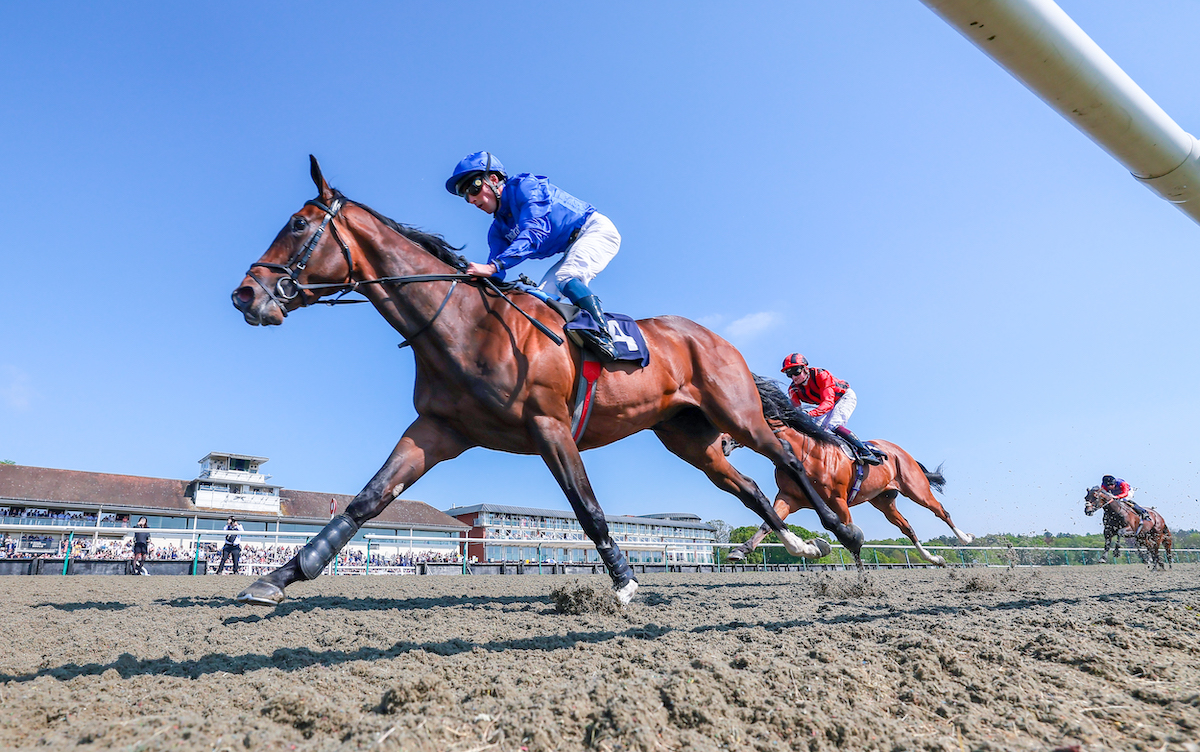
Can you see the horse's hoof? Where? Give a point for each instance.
(626, 591)
(813, 549)
(852, 537)
(735, 555)
(938, 561)
(261, 593)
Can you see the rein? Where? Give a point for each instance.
(289, 287)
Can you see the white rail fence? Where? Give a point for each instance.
(437, 550)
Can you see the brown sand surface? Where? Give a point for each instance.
(1097, 657)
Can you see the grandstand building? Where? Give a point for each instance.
(548, 535)
(39, 506)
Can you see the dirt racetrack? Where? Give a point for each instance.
(1098, 658)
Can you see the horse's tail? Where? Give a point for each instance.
(936, 479)
(777, 407)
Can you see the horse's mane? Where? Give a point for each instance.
(777, 407)
(434, 244)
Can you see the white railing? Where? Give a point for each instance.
(992, 556)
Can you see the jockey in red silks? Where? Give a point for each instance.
(1123, 491)
(833, 398)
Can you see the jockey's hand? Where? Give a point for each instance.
(481, 270)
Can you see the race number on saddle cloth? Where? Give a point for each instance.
(628, 344)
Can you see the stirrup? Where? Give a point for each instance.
(602, 344)
(870, 458)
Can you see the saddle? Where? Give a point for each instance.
(846, 447)
(853, 454)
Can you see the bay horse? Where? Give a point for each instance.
(833, 474)
(1120, 519)
(489, 374)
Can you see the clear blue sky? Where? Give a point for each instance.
(852, 180)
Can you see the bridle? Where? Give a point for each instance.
(289, 287)
(1099, 493)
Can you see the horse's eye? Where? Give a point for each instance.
(299, 223)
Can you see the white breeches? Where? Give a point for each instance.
(840, 413)
(596, 245)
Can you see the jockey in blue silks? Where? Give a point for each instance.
(534, 219)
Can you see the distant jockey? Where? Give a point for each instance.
(833, 398)
(1123, 491)
(534, 219)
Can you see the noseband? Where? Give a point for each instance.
(287, 288)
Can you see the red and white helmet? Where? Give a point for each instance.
(795, 360)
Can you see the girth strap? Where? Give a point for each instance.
(860, 472)
(589, 374)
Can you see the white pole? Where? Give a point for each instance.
(1039, 44)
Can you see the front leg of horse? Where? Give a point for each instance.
(741, 552)
(558, 450)
(422, 447)
(848, 534)
(686, 438)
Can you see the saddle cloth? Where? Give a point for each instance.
(626, 336)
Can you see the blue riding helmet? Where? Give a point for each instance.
(480, 161)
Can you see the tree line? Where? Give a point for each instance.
(975, 553)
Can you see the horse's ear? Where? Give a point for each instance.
(325, 193)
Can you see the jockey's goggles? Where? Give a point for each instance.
(792, 373)
(470, 187)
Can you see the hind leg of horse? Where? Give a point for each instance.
(916, 487)
(886, 503)
(553, 440)
(693, 439)
(424, 445)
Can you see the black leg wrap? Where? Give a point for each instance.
(851, 536)
(320, 550)
(617, 565)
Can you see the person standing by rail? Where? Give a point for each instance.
(233, 545)
(141, 546)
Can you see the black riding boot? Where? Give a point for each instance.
(865, 453)
(602, 339)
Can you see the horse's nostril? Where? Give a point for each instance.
(242, 298)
